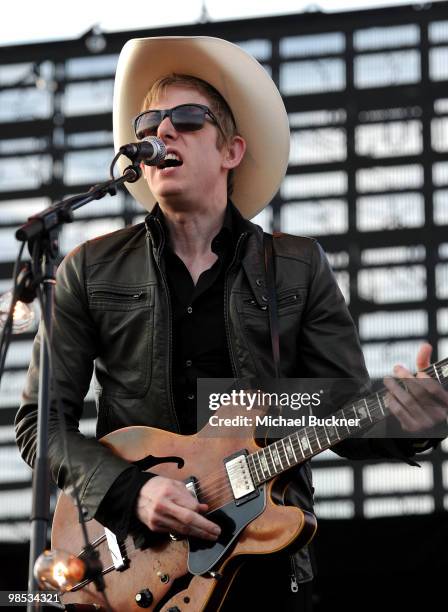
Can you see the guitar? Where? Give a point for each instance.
(243, 485)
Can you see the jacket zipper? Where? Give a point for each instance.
(293, 577)
(226, 301)
(170, 331)
(281, 301)
(116, 295)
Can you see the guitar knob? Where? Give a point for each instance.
(144, 598)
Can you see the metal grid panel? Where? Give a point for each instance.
(368, 176)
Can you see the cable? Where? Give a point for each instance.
(91, 554)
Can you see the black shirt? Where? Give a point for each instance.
(199, 336)
(199, 351)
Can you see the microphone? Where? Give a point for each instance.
(150, 150)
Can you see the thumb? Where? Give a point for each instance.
(424, 356)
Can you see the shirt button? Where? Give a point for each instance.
(188, 363)
(190, 396)
(189, 310)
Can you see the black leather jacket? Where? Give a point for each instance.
(112, 308)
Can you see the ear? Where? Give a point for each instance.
(234, 153)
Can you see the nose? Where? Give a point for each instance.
(166, 129)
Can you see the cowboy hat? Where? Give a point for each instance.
(249, 91)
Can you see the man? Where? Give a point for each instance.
(184, 296)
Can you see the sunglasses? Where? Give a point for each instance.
(185, 118)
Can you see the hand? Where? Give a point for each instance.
(164, 504)
(420, 405)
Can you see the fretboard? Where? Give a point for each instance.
(309, 441)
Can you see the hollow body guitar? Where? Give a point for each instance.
(243, 487)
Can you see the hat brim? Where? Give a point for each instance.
(254, 99)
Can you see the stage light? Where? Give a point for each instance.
(24, 314)
(59, 569)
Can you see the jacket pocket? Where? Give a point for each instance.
(117, 298)
(124, 318)
(253, 329)
(288, 300)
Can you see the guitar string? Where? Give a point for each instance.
(376, 413)
(129, 545)
(132, 548)
(215, 477)
(222, 484)
(211, 487)
(373, 409)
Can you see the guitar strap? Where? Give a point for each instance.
(269, 263)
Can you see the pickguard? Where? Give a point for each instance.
(203, 555)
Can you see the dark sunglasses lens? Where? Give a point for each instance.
(188, 118)
(147, 124)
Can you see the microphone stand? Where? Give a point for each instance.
(40, 232)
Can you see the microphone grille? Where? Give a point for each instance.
(159, 149)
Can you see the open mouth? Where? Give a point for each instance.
(171, 160)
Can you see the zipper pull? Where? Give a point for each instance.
(294, 583)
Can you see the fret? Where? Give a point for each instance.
(308, 440)
(260, 466)
(264, 463)
(291, 446)
(368, 410)
(343, 414)
(300, 444)
(436, 373)
(272, 457)
(356, 413)
(255, 466)
(361, 413)
(332, 428)
(326, 435)
(278, 455)
(249, 461)
(381, 406)
(317, 438)
(286, 454)
(269, 459)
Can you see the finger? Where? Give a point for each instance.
(426, 391)
(189, 523)
(188, 517)
(406, 404)
(169, 516)
(423, 360)
(191, 531)
(187, 500)
(436, 389)
(407, 422)
(435, 397)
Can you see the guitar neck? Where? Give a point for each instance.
(298, 447)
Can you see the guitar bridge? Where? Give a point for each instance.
(119, 560)
(240, 478)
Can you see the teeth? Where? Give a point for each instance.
(172, 156)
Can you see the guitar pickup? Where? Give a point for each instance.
(240, 478)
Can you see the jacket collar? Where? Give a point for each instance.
(234, 223)
(252, 257)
